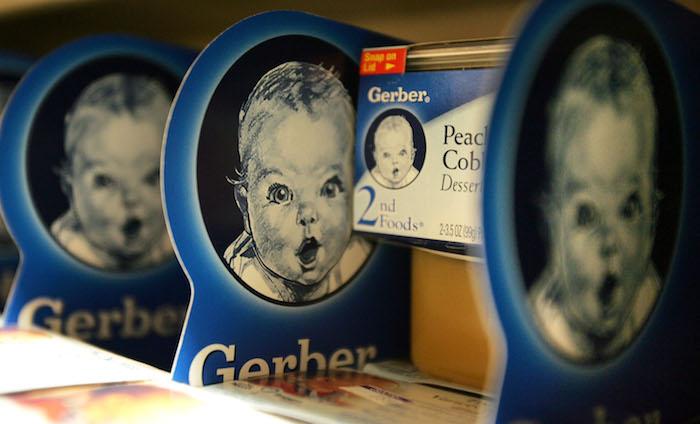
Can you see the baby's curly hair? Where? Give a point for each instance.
(115, 94)
(602, 70)
(393, 124)
(291, 86)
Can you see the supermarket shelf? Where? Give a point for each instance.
(38, 26)
(17, 6)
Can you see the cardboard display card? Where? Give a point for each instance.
(80, 189)
(258, 196)
(347, 396)
(591, 214)
(12, 67)
(132, 403)
(35, 359)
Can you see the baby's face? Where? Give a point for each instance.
(393, 154)
(605, 221)
(115, 187)
(298, 196)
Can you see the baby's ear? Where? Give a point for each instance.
(240, 193)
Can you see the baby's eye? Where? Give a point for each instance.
(386, 155)
(103, 181)
(585, 215)
(280, 194)
(153, 178)
(632, 207)
(332, 187)
(403, 152)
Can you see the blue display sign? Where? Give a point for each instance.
(80, 188)
(258, 196)
(591, 214)
(12, 67)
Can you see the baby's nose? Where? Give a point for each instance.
(306, 215)
(130, 197)
(610, 243)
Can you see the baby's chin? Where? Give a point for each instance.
(126, 253)
(132, 247)
(606, 320)
(311, 276)
(303, 275)
(310, 280)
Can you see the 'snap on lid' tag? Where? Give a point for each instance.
(380, 61)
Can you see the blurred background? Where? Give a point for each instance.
(38, 26)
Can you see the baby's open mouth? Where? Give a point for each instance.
(132, 228)
(395, 172)
(607, 290)
(307, 251)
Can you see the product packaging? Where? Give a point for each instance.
(591, 214)
(127, 403)
(258, 194)
(12, 67)
(422, 127)
(421, 140)
(379, 395)
(35, 359)
(80, 190)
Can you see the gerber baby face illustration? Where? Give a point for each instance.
(602, 161)
(112, 173)
(298, 174)
(606, 219)
(393, 149)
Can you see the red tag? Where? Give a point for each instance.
(383, 61)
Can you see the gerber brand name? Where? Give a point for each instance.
(126, 321)
(377, 95)
(258, 367)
